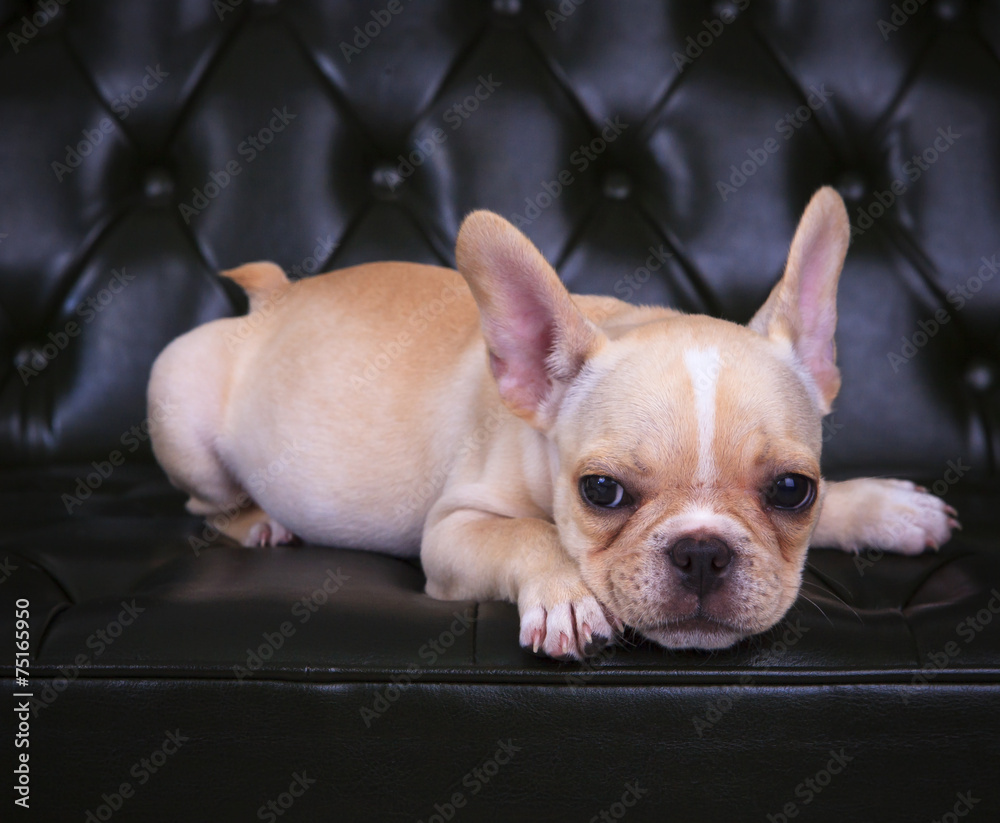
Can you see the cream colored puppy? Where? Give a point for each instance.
(597, 463)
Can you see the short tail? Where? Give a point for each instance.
(261, 281)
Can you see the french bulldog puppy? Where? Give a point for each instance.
(597, 463)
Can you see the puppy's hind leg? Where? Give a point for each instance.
(187, 388)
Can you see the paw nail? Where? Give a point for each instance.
(951, 510)
(536, 641)
(563, 644)
(585, 631)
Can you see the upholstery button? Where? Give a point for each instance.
(949, 9)
(29, 358)
(507, 7)
(386, 179)
(980, 375)
(726, 10)
(617, 185)
(158, 185)
(851, 185)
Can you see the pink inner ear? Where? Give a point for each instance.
(817, 310)
(520, 345)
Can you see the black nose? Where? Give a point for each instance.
(702, 562)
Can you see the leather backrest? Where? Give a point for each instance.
(659, 152)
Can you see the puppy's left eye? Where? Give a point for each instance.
(604, 492)
(791, 492)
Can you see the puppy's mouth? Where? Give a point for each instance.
(698, 631)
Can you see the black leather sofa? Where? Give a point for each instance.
(660, 152)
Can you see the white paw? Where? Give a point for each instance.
(268, 533)
(899, 516)
(567, 628)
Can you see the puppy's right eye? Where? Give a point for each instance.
(604, 492)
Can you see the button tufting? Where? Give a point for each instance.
(851, 185)
(29, 358)
(980, 375)
(158, 185)
(726, 10)
(617, 185)
(949, 10)
(386, 179)
(507, 7)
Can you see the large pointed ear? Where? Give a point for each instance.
(538, 340)
(802, 309)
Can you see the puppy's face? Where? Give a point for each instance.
(688, 447)
(689, 453)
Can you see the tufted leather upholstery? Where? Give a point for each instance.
(660, 152)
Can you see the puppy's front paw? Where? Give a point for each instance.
(891, 515)
(564, 622)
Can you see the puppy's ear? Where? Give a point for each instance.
(537, 338)
(802, 309)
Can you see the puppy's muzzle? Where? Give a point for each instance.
(702, 562)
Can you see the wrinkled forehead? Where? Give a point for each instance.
(698, 397)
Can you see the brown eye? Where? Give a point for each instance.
(791, 492)
(604, 492)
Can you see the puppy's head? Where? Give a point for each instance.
(688, 478)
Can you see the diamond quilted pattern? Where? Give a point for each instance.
(403, 123)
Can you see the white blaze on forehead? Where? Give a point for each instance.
(703, 366)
